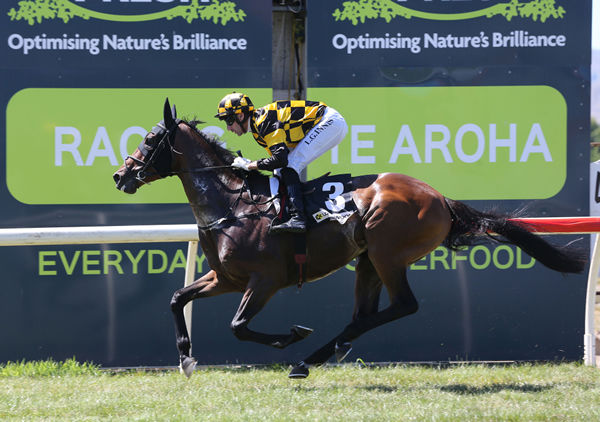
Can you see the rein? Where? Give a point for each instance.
(167, 134)
(198, 170)
(230, 217)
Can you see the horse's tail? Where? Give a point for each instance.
(468, 225)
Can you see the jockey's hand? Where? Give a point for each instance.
(241, 163)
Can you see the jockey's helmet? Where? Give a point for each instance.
(234, 103)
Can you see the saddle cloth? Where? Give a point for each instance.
(325, 198)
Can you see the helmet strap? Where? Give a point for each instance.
(245, 120)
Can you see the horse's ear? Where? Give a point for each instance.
(168, 115)
(174, 112)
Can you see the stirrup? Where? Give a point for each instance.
(293, 225)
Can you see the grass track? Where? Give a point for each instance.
(532, 392)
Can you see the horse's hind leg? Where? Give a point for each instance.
(402, 303)
(367, 290)
(206, 286)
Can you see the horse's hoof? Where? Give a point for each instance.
(301, 331)
(342, 350)
(187, 366)
(299, 371)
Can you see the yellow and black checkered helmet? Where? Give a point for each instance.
(234, 103)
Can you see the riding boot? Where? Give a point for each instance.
(297, 220)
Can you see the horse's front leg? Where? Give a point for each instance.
(208, 285)
(259, 290)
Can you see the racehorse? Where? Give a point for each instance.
(399, 220)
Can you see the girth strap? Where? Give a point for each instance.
(300, 257)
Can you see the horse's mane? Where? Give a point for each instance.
(213, 140)
(216, 144)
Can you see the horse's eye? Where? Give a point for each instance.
(150, 141)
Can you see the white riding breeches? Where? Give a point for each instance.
(326, 134)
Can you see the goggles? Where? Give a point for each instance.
(230, 119)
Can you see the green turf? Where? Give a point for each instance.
(531, 392)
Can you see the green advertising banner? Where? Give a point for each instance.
(84, 81)
(488, 102)
(83, 135)
(505, 135)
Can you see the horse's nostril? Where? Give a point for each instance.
(116, 177)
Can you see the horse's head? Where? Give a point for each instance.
(152, 158)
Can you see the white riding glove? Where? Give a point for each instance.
(241, 163)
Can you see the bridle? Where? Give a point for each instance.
(167, 135)
(166, 138)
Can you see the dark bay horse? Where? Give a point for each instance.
(399, 220)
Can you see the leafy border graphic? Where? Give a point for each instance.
(359, 10)
(35, 11)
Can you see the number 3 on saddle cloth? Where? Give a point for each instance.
(327, 198)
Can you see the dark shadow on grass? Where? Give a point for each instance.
(460, 389)
(379, 388)
(475, 390)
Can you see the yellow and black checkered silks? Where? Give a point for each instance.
(234, 103)
(285, 122)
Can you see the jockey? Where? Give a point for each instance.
(294, 133)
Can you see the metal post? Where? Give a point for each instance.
(589, 341)
(190, 276)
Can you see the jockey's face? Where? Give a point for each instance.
(238, 127)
